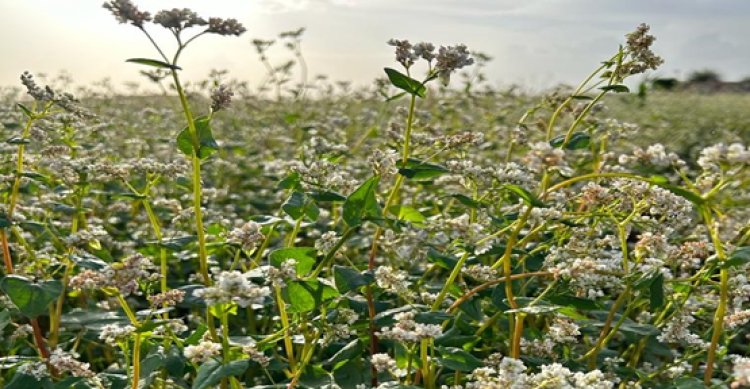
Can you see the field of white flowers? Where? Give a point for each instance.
(428, 232)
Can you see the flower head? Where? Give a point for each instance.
(450, 59)
(225, 26)
(126, 12)
(221, 97)
(178, 19)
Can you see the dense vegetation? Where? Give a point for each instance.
(431, 231)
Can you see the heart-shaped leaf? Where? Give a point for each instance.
(212, 372)
(31, 298)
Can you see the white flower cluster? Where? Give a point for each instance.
(383, 163)
(67, 363)
(202, 352)
(461, 229)
(713, 158)
(233, 287)
(384, 363)
(392, 280)
(326, 242)
(543, 156)
(287, 271)
(586, 262)
(655, 155)
(247, 236)
(481, 273)
(341, 328)
(256, 355)
(563, 330)
(509, 373)
(113, 333)
(677, 331)
(407, 330)
(124, 276)
(741, 372)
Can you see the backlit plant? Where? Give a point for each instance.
(441, 238)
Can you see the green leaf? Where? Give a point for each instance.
(663, 182)
(212, 372)
(299, 205)
(581, 97)
(407, 213)
(206, 143)
(17, 140)
(175, 244)
(305, 257)
(352, 350)
(656, 289)
(395, 97)
(445, 261)
(89, 319)
(153, 62)
(88, 261)
(4, 319)
(405, 83)
(292, 181)
(347, 279)
(575, 302)
(196, 336)
(577, 141)
(468, 201)
(305, 296)
(616, 88)
(326, 196)
(4, 221)
(527, 196)
(31, 298)
(421, 171)
(688, 383)
(457, 359)
(739, 257)
(454, 338)
(25, 381)
(26, 111)
(315, 377)
(362, 203)
(151, 363)
(352, 373)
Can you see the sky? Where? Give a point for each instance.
(534, 43)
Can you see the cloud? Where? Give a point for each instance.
(287, 6)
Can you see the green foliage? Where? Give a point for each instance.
(206, 143)
(362, 203)
(406, 83)
(31, 298)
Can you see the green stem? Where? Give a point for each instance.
(136, 360)
(604, 334)
(293, 235)
(424, 348)
(128, 312)
(451, 279)
(197, 194)
(288, 345)
(378, 231)
(580, 118)
(553, 118)
(718, 322)
(159, 237)
(505, 261)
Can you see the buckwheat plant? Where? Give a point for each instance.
(196, 140)
(414, 234)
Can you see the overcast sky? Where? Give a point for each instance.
(536, 43)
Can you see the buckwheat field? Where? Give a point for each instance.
(429, 231)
